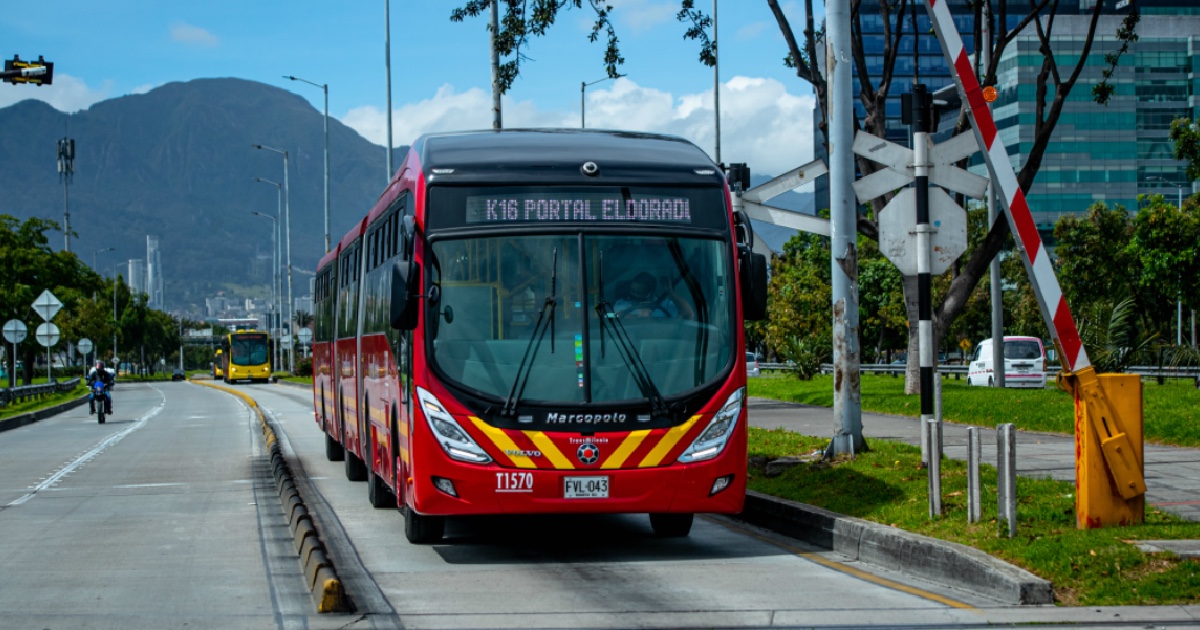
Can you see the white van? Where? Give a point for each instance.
(1024, 363)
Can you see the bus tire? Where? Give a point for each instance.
(671, 525)
(333, 451)
(378, 494)
(421, 529)
(356, 470)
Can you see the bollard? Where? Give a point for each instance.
(935, 470)
(1006, 480)
(937, 410)
(974, 496)
(924, 443)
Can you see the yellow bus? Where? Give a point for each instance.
(218, 366)
(247, 356)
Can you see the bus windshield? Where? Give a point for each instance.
(248, 349)
(588, 318)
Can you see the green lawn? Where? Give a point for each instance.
(1171, 412)
(49, 400)
(1087, 567)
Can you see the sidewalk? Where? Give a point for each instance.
(1172, 473)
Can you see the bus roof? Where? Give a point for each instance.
(557, 155)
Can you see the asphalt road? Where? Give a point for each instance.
(166, 518)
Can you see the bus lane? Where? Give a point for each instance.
(580, 570)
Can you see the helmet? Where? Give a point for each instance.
(99, 365)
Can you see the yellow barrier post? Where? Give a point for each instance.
(1110, 484)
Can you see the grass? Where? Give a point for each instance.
(887, 485)
(284, 376)
(1171, 412)
(49, 400)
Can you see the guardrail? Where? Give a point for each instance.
(20, 394)
(897, 369)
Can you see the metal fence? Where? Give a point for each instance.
(28, 392)
(897, 369)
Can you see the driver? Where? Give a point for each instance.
(99, 373)
(642, 299)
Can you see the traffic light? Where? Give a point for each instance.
(40, 72)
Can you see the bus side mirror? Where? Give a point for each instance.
(753, 271)
(403, 312)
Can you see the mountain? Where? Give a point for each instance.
(176, 162)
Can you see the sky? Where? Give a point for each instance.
(440, 70)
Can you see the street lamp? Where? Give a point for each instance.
(287, 223)
(277, 275)
(1179, 302)
(116, 274)
(582, 105)
(274, 277)
(324, 88)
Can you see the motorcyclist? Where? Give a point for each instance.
(99, 373)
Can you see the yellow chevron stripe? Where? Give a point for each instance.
(547, 447)
(667, 443)
(628, 446)
(504, 443)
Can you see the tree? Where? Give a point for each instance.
(303, 319)
(524, 18)
(1186, 136)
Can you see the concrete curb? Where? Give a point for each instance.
(293, 385)
(938, 561)
(327, 590)
(24, 419)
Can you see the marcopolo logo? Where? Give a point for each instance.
(585, 418)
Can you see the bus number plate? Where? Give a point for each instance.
(585, 487)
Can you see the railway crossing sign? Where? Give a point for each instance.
(15, 331)
(304, 335)
(85, 345)
(47, 334)
(897, 235)
(47, 305)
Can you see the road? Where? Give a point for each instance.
(166, 517)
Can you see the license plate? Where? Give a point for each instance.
(585, 487)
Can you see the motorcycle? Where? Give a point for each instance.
(99, 399)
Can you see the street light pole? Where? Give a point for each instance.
(287, 222)
(1179, 300)
(387, 55)
(325, 89)
(582, 106)
(276, 275)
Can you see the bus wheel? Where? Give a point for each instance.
(333, 451)
(421, 529)
(356, 470)
(378, 493)
(671, 525)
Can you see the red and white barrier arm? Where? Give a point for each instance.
(1037, 260)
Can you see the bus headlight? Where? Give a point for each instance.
(712, 441)
(454, 440)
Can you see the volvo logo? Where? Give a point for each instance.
(588, 453)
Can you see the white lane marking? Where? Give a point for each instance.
(88, 455)
(147, 485)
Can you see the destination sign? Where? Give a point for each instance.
(578, 207)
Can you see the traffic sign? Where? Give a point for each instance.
(85, 345)
(47, 334)
(304, 335)
(47, 305)
(285, 341)
(898, 220)
(899, 163)
(15, 331)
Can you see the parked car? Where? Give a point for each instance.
(178, 375)
(1024, 363)
(752, 364)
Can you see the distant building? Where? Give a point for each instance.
(303, 304)
(154, 280)
(136, 276)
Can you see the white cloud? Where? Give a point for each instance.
(143, 88)
(750, 32)
(761, 123)
(643, 15)
(66, 94)
(188, 34)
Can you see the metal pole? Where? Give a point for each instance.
(287, 207)
(716, 86)
(974, 496)
(935, 469)
(497, 120)
(1178, 296)
(847, 406)
(920, 128)
(997, 289)
(387, 55)
(325, 89)
(1006, 468)
(278, 275)
(582, 106)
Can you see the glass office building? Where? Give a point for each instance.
(1097, 153)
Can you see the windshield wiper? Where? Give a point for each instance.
(628, 352)
(544, 323)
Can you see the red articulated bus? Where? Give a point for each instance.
(541, 321)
